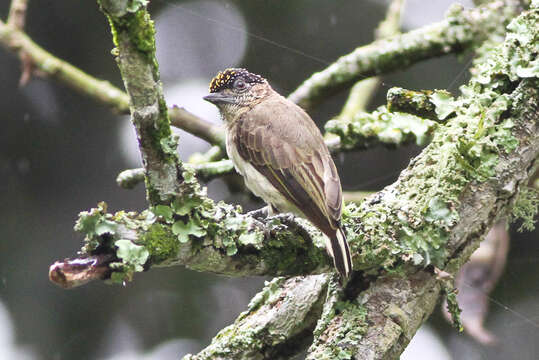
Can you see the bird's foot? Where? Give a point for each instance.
(260, 214)
(289, 219)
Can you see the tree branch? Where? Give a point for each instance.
(63, 72)
(432, 105)
(203, 129)
(133, 35)
(278, 322)
(128, 179)
(462, 29)
(17, 14)
(476, 280)
(363, 90)
(31, 54)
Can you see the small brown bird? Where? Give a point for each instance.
(282, 156)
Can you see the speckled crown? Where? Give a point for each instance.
(225, 79)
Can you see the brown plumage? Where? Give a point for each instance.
(281, 153)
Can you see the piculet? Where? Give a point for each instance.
(280, 152)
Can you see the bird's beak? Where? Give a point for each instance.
(219, 98)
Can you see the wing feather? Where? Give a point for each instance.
(288, 149)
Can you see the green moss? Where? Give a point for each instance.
(453, 308)
(433, 105)
(142, 31)
(161, 243)
(526, 208)
(136, 22)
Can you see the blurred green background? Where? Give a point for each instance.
(60, 153)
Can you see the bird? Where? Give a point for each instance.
(281, 154)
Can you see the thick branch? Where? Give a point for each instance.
(133, 34)
(284, 313)
(460, 30)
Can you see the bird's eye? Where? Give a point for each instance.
(240, 84)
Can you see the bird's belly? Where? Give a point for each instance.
(258, 184)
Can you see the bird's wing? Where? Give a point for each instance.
(285, 146)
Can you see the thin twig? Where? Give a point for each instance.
(363, 91)
(17, 14)
(149, 114)
(183, 119)
(52, 67)
(57, 69)
(207, 171)
(459, 31)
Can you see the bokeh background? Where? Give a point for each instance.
(60, 153)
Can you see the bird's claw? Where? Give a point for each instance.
(259, 214)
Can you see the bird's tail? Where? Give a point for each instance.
(337, 247)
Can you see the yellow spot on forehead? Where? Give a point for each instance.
(228, 75)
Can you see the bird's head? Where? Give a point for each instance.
(234, 90)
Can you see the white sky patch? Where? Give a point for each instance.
(199, 38)
(9, 349)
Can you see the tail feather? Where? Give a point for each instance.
(337, 247)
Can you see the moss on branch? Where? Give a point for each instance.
(134, 37)
(380, 127)
(435, 105)
(276, 324)
(461, 30)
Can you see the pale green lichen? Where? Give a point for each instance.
(268, 294)
(381, 126)
(183, 230)
(340, 336)
(94, 224)
(132, 255)
(523, 62)
(444, 103)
